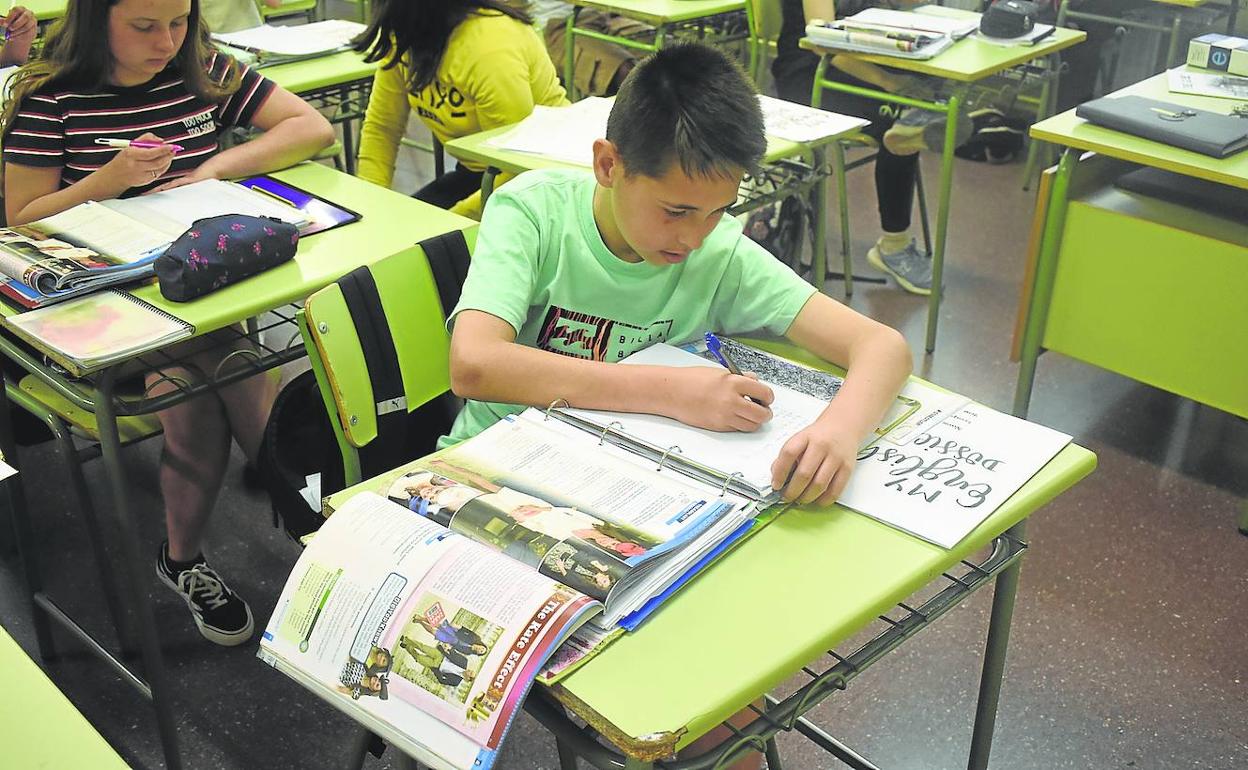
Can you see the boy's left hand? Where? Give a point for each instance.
(816, 462)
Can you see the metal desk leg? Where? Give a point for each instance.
(819, 259)
(1172, 49)
(1042, 281)
(348, 134)
(15, 490)
(569, 54)
(131, 558)
(952, 109)
(567, 757)
(842, 200)
(1038, 151)
(994, 659)
(487, 184)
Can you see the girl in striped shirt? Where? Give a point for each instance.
(145, 70)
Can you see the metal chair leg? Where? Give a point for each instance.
(923, 221)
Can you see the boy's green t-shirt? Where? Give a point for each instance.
(540, 264)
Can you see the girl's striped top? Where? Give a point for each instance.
(58, 126)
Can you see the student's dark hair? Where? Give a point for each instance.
(690, 104)
(76, 55)
(416, 32)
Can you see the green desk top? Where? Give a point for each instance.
(804, 584)
(477, 148)
(46, 10)
(1070, 131)
(968, 60)
(321, 72)
(655, 12)
(39, 727)
(391, 223)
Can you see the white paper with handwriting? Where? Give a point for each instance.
(941, 483)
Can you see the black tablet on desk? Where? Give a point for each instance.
(322, 214)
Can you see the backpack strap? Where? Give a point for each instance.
(359, 290)
(448, 259)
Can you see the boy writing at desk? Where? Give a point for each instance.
(572, 272)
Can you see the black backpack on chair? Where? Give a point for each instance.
(299, 438)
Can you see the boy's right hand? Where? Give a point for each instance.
(714, 398)
(138, 166)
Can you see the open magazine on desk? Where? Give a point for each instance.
(107, 243)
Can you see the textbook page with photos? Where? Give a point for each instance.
(577, 510)
(423, 636)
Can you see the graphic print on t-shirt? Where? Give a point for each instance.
(581, 335)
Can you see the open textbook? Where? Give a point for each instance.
(105, 243)
(577, 510)
(427, 638)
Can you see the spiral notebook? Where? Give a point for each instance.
(94, 331)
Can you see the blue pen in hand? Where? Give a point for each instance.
(716, 347)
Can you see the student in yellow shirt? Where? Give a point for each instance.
(463, 66)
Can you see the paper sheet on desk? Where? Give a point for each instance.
(943, 482)
(560, 133)
(1198, 82)
(178, 208)
(296, 40)
(567, 133)
(800, 123)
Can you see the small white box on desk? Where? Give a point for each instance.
(1214, 51)
(1238, 64)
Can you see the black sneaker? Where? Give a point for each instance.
(221, 615)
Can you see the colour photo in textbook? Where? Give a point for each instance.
(567, 545)
(427, 637)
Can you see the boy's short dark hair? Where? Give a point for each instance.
(691, 104)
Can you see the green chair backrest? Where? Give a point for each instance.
(410, 300)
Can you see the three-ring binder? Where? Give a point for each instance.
(613, 424)
(666, 452)
(728, 480)
(554, 404)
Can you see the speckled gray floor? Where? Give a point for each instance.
(1129, 636)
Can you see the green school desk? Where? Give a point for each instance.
(666, 16)
(964, 63)
(391, 223)
(1105, 287)
(46, 10)
(340, 82)
(690, 666)
(478, 148)
(39, 727)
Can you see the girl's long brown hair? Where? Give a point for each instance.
(76, 55)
